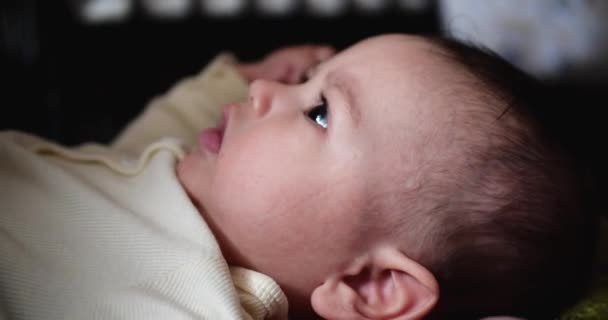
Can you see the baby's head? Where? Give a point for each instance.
(406, 176)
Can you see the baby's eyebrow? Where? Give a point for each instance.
(348, 85)
(312, 71)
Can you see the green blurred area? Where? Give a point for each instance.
(594, 306)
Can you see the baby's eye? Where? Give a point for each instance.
(318, 114)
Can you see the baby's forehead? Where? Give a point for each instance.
(400, 49)
(399, 63)
(400, 75)
(403, 87)
(412, 99)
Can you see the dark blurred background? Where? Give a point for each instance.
(74, 81)
(79, 70)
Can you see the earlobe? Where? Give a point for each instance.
(387, 285)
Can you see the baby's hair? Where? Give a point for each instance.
(512, 233)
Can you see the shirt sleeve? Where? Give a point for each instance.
(192, 104)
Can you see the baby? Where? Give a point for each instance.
(405, 178)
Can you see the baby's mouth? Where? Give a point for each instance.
(211, 139)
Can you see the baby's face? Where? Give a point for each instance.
(306, 173)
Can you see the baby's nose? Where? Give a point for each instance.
(261, 95)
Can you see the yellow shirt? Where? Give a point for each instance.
(97, 232)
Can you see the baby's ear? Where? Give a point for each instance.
(386, 284)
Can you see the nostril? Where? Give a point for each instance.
(259, 103)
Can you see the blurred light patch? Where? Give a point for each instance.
(548, 38)
(167, 9)
(414, 5)
(371, 6)
(277, 7)
(223, 8)
(103, 11)
(327, 8)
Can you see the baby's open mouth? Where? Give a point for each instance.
(211, 138)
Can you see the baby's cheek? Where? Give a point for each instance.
(241, 188)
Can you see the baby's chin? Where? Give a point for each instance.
(183, 169)
(184, 166)
(190, 174)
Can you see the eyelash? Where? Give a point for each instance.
(313, 113)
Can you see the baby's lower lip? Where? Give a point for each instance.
(210, 139)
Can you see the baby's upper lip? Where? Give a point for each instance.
(223, 122)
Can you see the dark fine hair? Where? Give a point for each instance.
(516, 236)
